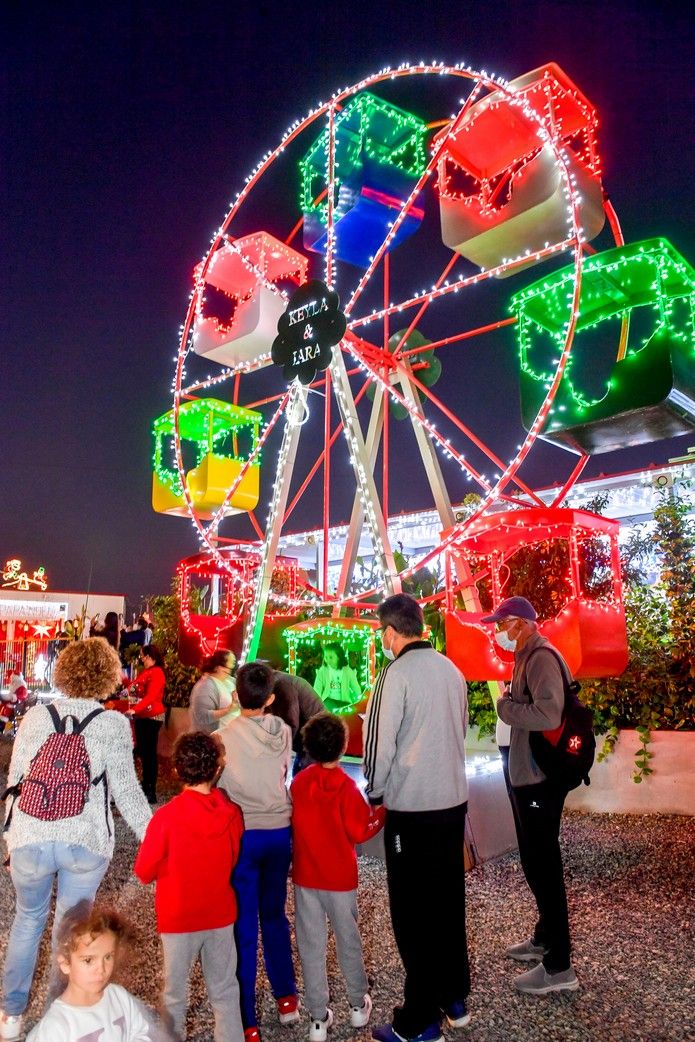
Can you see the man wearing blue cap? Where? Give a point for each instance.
(535, 702)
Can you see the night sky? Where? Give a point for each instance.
(128, 128)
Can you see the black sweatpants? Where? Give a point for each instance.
(537, 815)
(146, 735)
(427, 896)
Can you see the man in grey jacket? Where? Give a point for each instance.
(414, 762)
(535, 702)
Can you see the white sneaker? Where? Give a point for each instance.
(11, 1029)
(359, 1015)
(318, 1032)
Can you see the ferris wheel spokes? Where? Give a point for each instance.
(390, 372)
(352, 539)
(285, 468)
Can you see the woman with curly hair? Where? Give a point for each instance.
(70, 758)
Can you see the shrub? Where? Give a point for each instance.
(657, 690)
(166, 611)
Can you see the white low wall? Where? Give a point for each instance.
(669, 790)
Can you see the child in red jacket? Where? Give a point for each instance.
(190, 848)
(329, 816)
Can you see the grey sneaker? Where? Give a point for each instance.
(539, 982)
(526, 951)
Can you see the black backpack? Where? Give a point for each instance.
(565, 754)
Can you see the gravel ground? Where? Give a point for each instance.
(630, 882)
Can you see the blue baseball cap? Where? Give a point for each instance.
(512, 608)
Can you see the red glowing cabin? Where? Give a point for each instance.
(502, 191)
(215, 598)
(589, 627)
(241, 323)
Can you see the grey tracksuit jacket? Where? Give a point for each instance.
(415, 727)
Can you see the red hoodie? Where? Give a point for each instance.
(329, 816)
(190, 848)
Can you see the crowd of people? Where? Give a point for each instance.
(240, 831)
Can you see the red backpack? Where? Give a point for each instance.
(60, 775)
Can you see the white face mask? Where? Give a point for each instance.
(505, 641)
(388, 653)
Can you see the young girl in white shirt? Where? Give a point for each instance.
(336, 683)
(91, 1007)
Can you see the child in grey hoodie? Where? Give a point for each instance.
(258, 750)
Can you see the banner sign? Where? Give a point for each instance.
(32, 611)
(309, 328)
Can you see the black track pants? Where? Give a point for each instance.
(537, 815)
(427, 896)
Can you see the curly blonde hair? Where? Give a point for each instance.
(88, 669)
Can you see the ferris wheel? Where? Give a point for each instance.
(342, 291)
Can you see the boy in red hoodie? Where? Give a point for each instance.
(190, 848)
(329, 816)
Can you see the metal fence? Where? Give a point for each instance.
(36, 658)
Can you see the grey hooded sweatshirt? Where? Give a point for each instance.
(258, 750)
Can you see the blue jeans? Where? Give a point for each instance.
(260, 884)
(78, 871)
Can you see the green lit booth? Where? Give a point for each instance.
(218, 442)
(636, 301)
(358, 639)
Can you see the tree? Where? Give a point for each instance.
(166, 612)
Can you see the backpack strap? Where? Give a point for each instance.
(87, 720)
(13, 792)
(78, 726)
(99, 780)
(570, 687)
(55, 717)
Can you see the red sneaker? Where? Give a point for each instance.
(288, 1009)
(252, 1035)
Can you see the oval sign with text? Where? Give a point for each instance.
(308, 330)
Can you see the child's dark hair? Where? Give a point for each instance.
(196, 757)
(254, 685)
(83, 921)
(324, 737)
(339, 653)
